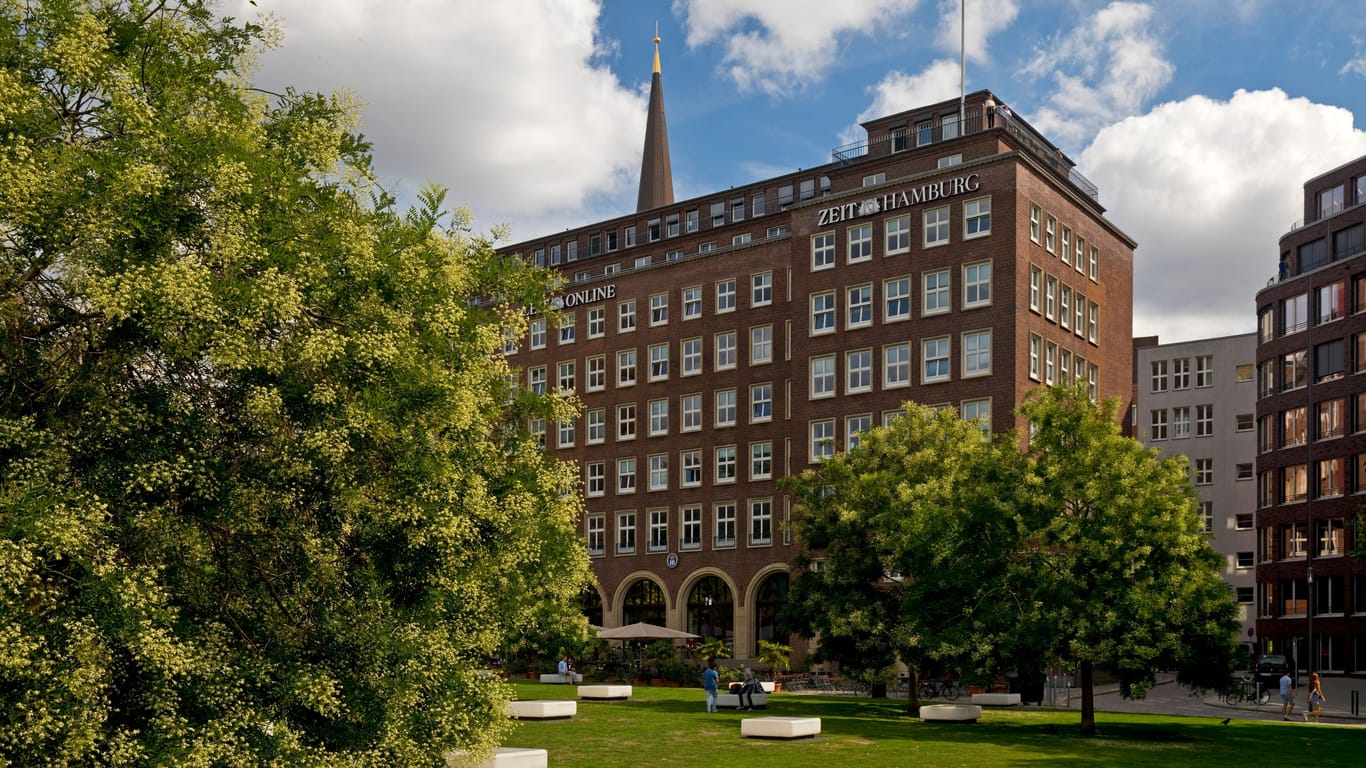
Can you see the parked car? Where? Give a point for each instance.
(1269, 669)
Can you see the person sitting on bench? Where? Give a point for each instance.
(750, 687)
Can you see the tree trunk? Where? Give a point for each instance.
(913, 695)
(1088, 700)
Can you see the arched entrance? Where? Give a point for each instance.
(768, 600)
(592, 605)
(644, 602)
(711, 609)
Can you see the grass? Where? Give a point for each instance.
(669, 727)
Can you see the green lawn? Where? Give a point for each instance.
(669, 727)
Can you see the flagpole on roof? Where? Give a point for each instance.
(962, 62)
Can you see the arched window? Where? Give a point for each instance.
(772, 596)
(711, 609)
(644, 602)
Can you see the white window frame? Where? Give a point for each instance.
(936, 299)
(896, 235)
(976, 353)
(895, 291)
(822, 251)
(977, 284)
(858, 306)
(823, 377)
(939, 351)
(858, 371)
(976, 217)
(896, 365)
(859, 243)
(823, 318)
(936, 226)
(690, 410)
(726, 407)
(690, 350)
(761, 344)
(725, 346)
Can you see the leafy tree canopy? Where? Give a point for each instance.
(266, 495)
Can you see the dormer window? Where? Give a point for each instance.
(899, 139)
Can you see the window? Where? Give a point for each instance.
(855, 426)
(948, 127)
(1080, 260)
(691, 469)
(538, 333)
(822, 312)
(977, 284)
(924, 133)
(1294, 427)
(626, 533)
(597, 323)
(784, 197)
(626, 421)
(741, 239)
(1332, 418)
(691, 406)
(896, 365)
(567, 328)
(760, 344)
(1050, 363)
(1330, 535)
(761, 402)
(1050, 234)
(1331, 477)
(725, 350)
(567, 434)
(1035, 289)
(936, 226)
(659, 309)
(1035, 351)
(1294, 370)
(567, 376)
(1294, 314)
(1204, 471)
(659, 362)
(761, 460)
(761, 522)
(718, 214)
(1065, 306)
(936, 299)
(692, 302)
(858, 371)
(725, 407)
(935, 355)
(1093, 322)
(725, 525)
(1243, 521)
(596, 473)
(659, 530)
(597, 426)
(874, 180)
(597, 535)
(761, 289)
(976, 353)
(725, 464)
(737, 208)
(692, 356)
(1204, 420)
(1034, 216)
(860, 243)
(979, 411)
(896, 299)
(1330, 201)
(626, 475)
(1329, 360)
(757, 207)
(725, 296)
(822, 250)
(859, 306)
(1065, 247)
(1244, 560)
(822, 376)
(1204, 371)
(1157, 425)
(1050, 306)
(571, 250)
(1332, 302)
(1181, 422)
(1181, 373)
(659, 417)
(690, 534)
(1243, 372)
(626, 368)
(1159, 376)
(898, 232)
(977, 217)
(1243, 471)
(822, 439)
(1094, 267)
(900, 139)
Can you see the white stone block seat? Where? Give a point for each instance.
(996, 699)
(505, 757)
(542, 709)
(558, 679)
(605, 692)
(732, 700)
(950, 713)
(780, 727)
(769, 687)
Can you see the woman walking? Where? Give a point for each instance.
(1316, 698)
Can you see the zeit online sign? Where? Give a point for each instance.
(891, 201)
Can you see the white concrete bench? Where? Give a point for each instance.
(780, 727)
(769, 687)
(996, 699)
(950, 713)
(732, 700)
(505, 757)
(542, 710)
(605, 692)
(558, 679)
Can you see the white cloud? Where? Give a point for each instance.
(984, 19)
(524, 116)
(1107, 69)
(779, 47)
(1357, 64)
(898, 92)
(1208, 188)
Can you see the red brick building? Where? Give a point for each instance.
(721, 343)
(1311, 432)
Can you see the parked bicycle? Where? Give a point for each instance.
(936, 689)
(1248, 690)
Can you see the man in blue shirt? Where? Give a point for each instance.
(709, 679)
(1287, 696)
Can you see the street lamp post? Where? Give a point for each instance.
(1310, 604)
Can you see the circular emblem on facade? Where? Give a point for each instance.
(671, 560)
(869, 207)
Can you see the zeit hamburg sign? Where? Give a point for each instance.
(925, 193)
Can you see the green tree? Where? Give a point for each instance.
(1117, 569)
(266, 495)
(865, 517)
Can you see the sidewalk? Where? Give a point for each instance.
(1337, 693)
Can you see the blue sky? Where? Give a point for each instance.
(1199, 120)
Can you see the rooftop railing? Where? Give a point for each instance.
(929, 132)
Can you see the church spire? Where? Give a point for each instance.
(656, 176)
